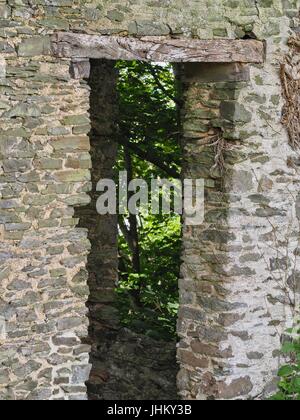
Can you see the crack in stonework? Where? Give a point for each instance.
(257, 8)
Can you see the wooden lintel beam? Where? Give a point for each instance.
(160, 49)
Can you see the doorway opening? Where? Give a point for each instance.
(149, 244)
(133, 267)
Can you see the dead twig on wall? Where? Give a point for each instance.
(290, 78)
(220, 146)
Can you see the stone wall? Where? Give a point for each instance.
(44, 175)
(194, 18)
(240, 271)
(102, 267)
(130, 366)
(244, 291)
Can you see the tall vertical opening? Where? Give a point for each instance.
(134, 263)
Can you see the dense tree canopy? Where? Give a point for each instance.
(149, 245)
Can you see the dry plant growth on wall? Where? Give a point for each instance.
(220, 148)
(290, 76)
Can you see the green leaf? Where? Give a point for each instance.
(286, 370)
(280, 396)
(288, 348)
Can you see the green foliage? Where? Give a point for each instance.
(160, 242)
(148, 116)
(289, 374)
(149, 119)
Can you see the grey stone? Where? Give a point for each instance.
(81, 291)
(58, 131)
(17, 165)
(76, 120)
(212, 72)
(115, 15)
(55, 250)
(41, 394)
(55, 23)
(35, 46)
(236, 388)
(298, 207)
(17, 226)
(242, 181)
(46, 163)
(58, 272)
(2, 70)
(9, 204)
(65, 341)
(5, 11)
(80, 69)
(68, 323)
(27, 369)
(144, 27)
(80, 277)
(23, 110)
(4, 376)
(190, 313)
(235, 112)
(217, 236)
(6, 48)
(80, 374)
(269, 212)
(255, 355)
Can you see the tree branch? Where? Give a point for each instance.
(150, 156)
(161, 86)
(133, 225)
(126, 233)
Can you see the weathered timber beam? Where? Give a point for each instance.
(70, 45)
